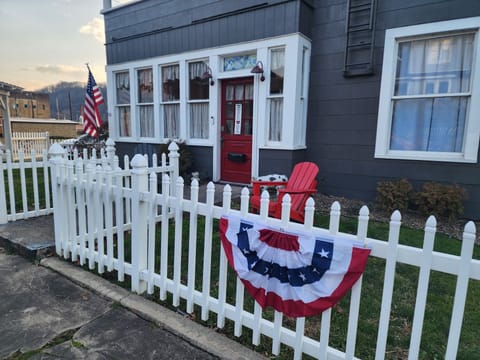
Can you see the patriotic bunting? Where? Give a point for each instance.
(298, 274)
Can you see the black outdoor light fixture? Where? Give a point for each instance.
(208, 75)
(258, 69)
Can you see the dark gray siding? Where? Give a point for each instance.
(201, 156)
(279, 161)
(342, 118)
(160, 27)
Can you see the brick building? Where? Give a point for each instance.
(27, 103)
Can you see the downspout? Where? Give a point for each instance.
(7, 133)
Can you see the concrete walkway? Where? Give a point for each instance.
(51, 309)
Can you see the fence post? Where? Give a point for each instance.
(174, 160)
(47, 140)
(56, 153)
(139, 222)
(3, 198)
(110, 149)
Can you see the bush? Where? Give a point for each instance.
(441, 200)
(186, 159)
(394, 195)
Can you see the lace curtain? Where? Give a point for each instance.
(122, 81)
(199, 120)
(145, 113)
(171, 117)
(276, 119)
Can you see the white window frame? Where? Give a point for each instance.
(472, 121)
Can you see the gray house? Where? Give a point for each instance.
(370, 90)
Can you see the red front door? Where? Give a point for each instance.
(236, 131)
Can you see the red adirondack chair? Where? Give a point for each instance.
(300, 186)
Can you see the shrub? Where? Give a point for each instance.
(394, 195)
(186, 159)
(441, 200)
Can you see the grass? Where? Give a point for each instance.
(437, 316)
(17, 188)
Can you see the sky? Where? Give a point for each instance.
(44, 42)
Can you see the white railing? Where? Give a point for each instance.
(25, 182)
(24, 186)
(101, 222)
(26, 142)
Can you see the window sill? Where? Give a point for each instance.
(422, 156)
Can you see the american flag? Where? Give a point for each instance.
(91, 115)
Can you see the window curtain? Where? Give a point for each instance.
(145, 113)
(123, 116)
(199, 120)
(122, 81)
(196, 70)
(145, 86)
(430, 67)
(431, 124)
(434, 66)
(171, 83)
(277, 66)
(276, 119)
(171, 116)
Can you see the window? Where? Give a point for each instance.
(122, 84)
(427, 115)
(198, 100)
(275, 99)
(145, 102)
(171, 101)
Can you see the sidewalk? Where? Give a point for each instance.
(58, 310)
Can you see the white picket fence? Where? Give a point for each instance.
(26, 142)
(107, 221)
(25, 180)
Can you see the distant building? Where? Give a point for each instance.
(27, 103)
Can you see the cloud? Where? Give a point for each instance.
(58, 69)
(95, 28)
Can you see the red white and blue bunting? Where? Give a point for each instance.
(298, 274)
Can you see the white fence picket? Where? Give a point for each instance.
(388, 282)
(177, 258)
(468, 241)
(422, 288)
(207, 250)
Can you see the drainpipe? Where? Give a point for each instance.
(7, 131)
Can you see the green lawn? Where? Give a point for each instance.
(29, 189)
(439, 302)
